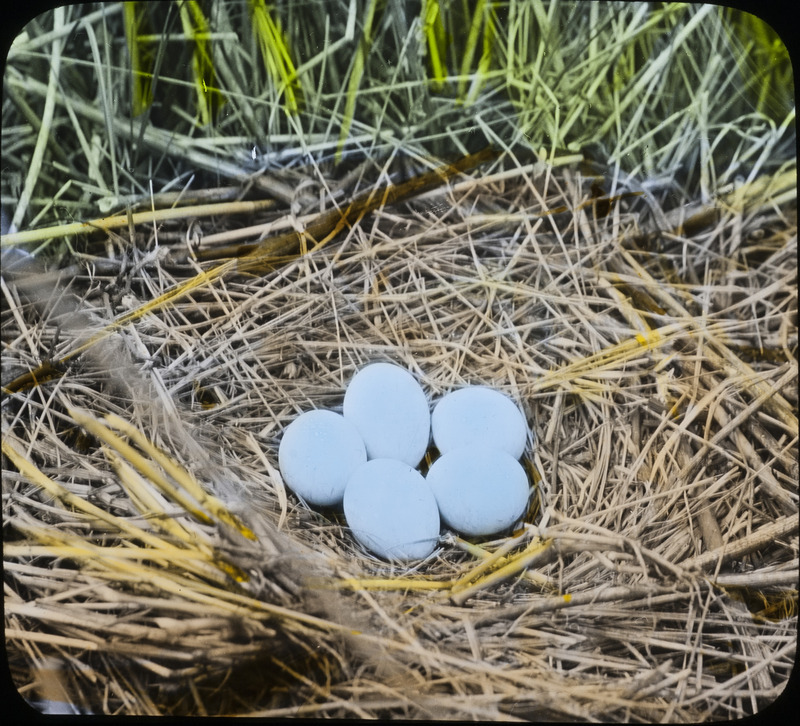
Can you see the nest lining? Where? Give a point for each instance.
(629, 362)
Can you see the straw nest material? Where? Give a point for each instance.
(653, 578)
(155, 562)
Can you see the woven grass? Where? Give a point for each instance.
(155, 562)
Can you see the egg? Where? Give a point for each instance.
(391, 510)
(479, 490)
(318, 453)
(478, 416)
(390, 411)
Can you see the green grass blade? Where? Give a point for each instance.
(433, 30)
(196, 28)
(274, 47)
(356, 74)
(141, 57)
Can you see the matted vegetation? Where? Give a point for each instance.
(591, 207)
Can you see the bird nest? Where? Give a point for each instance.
(156, 563)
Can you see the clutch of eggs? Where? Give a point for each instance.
(365, 460)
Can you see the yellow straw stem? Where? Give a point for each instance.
(139, 462)
(183, 477)
(515, 565)
(119, 221)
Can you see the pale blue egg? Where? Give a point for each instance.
(391, 510)
(479, 416)
(318, 452)
(479, 491)
(390, 411)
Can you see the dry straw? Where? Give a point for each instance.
(622, 264)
